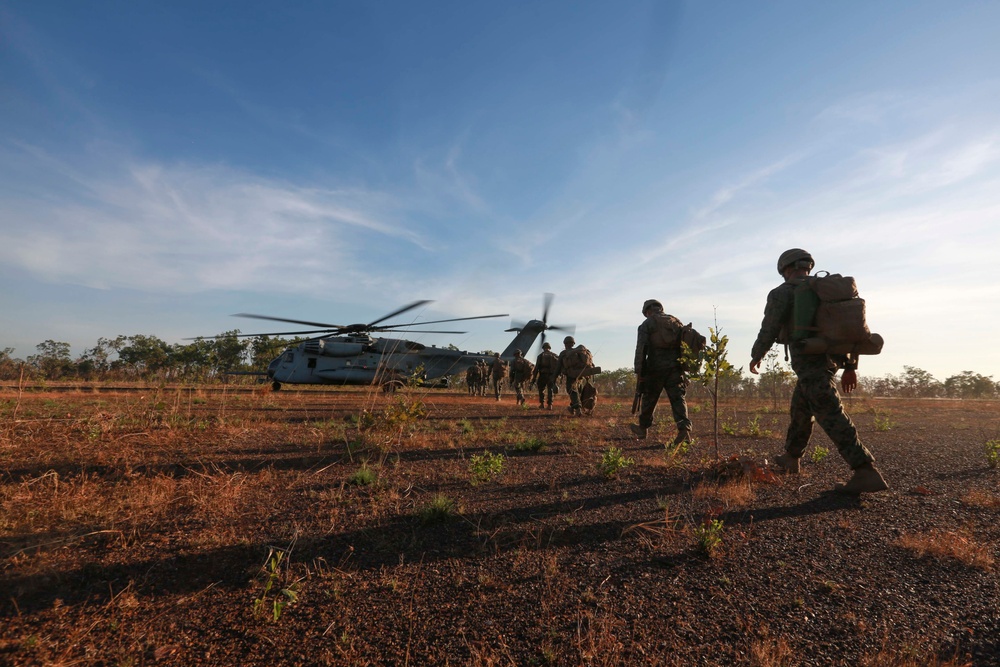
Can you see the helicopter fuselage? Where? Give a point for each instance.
(362, 359)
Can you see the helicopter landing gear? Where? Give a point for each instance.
(276, 386)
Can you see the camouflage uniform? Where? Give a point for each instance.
(660, 369)
(498, 370)
(545, 375)
(572, 381)
(815, 393)
(472, 378)
(520, 373)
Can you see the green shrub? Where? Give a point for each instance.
(363, 476)
(709, 536)
(440, 508)
(613, 461)
(529, 444)
(486, 467)
(819, 453)
(992, 449)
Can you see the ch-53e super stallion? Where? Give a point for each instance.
(350, 355)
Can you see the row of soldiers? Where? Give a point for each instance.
(521, 373)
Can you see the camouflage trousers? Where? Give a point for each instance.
(546, 383)
(497, 387)
(816, 396)
(673, 381)
(518, 386)
(573, 389)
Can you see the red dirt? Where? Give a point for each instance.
(136, 527)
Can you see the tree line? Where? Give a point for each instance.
(148, 358)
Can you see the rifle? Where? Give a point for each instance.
(637, 399)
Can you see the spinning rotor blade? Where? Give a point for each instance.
(546, 304)
(415, 304)
(387, 327)
(328, 327)
(254, 335)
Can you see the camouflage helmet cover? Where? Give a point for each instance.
(569, 340)
(546, 346)
(651, 303)
(518, 353)
(793, 256)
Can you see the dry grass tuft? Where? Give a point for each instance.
(980, 498)
(770, 652)
(733, 493)
(958, 545)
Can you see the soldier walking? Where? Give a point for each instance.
(498, 370)
(658, 368)
(520, 373)
(544, 375)
(573, 363)
(815, 395)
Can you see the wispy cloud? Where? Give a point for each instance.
(189, 228)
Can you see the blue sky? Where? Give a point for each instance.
(163, 165)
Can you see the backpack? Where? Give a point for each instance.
(828, 317)
(547, 362)
(696, 343)
(577, 360)
(667, 332)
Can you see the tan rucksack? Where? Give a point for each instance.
(829, 317)
(577, 360)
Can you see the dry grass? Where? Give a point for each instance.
(959, 545)
(734, 493)
(980, 498)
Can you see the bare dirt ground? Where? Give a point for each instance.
(182, 526)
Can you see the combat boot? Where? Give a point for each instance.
(639, 431)
(683, 435)
(866, 479)
(787, 463)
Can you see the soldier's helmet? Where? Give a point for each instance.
(518, 353)
(569, 340)
(651, 303)
(546, 346)
(496, 354)
(796, 257)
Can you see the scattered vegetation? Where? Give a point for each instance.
(708, 536)
(960, 545)
(363, 476)
(819, 453)
(992, 450)
(529, 444)
(440, 508)
(883, 420)
(614, 461)
(276, 595)
(486, 467)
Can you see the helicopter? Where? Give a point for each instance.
(350, 355)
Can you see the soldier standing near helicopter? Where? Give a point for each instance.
(544, 375)
(498, 371)
(520, 373)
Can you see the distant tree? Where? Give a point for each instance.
(144, 356)
(620, 382)
(969, 385)
(918, 383)
(228, 352)
(10, 368)
(53, 360)
(776, 380)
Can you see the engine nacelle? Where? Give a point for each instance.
(331, 348)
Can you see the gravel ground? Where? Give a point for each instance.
(140, 528)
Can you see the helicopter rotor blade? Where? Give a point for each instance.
(422, 331)
(326, 327)
(415, 304)
(386, 327)
(254, 335)
(546, 304)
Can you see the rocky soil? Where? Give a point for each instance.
(179, 526)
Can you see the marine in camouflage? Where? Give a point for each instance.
(660, 369)
(544, 375)
(815, 393)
